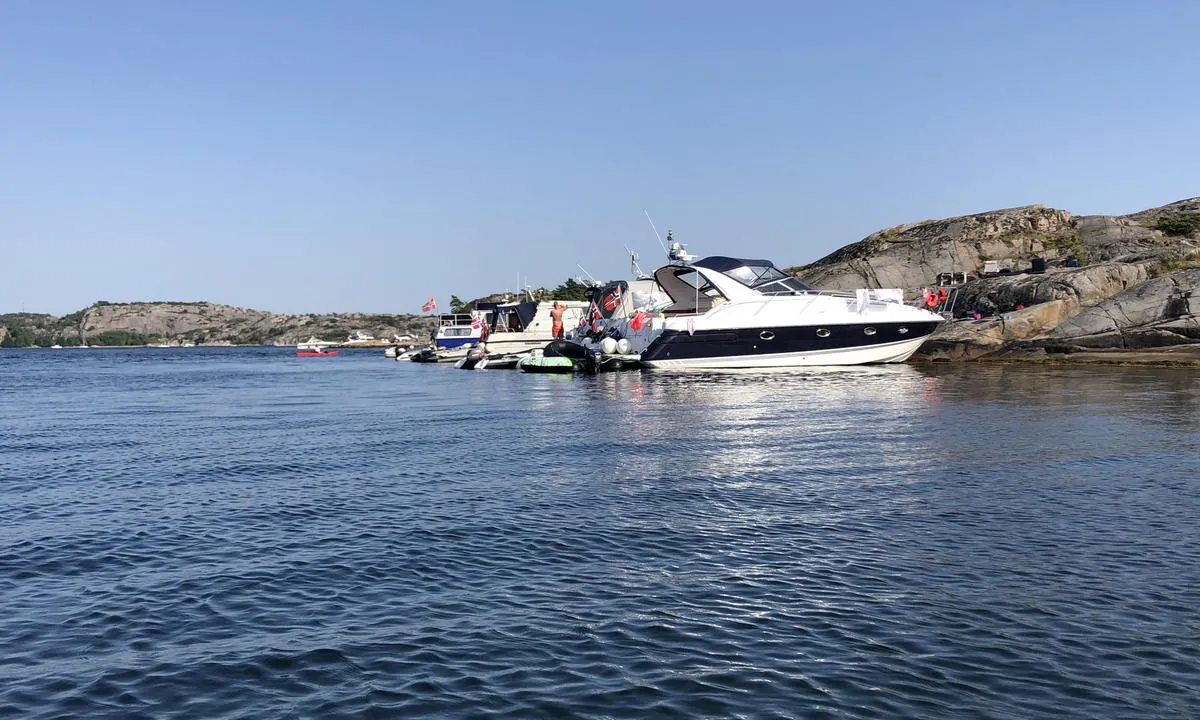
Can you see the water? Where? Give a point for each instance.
(241, 533)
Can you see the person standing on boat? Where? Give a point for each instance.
(556, 316)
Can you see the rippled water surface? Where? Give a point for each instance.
(241, 533)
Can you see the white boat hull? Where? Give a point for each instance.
(864, 355)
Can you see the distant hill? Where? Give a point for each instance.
(146, 323)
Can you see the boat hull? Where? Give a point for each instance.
(850, 344)
(314, 353)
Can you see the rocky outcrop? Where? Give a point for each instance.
(1155, 314)
(1154, 216)
(1162, 311)
(974, 339)
(1111, 282)
(911, 256)
(1106, 237)
(1077, 287)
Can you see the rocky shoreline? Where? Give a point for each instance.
(201, 323)
(1061, 288)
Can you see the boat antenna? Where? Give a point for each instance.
(634, 269)
(585, 272)
(660, 240)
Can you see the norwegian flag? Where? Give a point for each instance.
(597, 319)
(477, 322)
(430, 305)
(612, 300)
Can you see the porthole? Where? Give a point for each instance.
(822, 333)
(868, 331)
(767, 335)
(903, 331)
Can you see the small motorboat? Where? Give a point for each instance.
(500, 362)
(430, 355)
(546, 364)
(313, 344)
(316, 353)
(471, 359)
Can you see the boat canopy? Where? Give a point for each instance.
(512, 317)
(690, 290)
(762, 275)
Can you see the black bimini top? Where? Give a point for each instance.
(762, 275)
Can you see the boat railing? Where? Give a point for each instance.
(456, 319)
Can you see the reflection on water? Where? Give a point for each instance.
(241, 533)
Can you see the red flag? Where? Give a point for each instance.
(429, 306)
(477, 322)
(638, 322)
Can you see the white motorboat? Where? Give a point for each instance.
(314, 344)
(723, 312)
(458, 330)
(516, 328)
(438, 355)
(399, 352)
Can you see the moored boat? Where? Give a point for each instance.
(434, 355)
(541, 363)
(313, 343)
(472, 358)
(398, 352)
(515, 328)
(723, 312)
(459, 329)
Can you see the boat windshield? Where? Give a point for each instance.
(761, 275)
(699, 282)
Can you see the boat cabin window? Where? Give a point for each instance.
(767, 279)
(456, 332)
(786, 285)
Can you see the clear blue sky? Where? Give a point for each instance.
(334, 156)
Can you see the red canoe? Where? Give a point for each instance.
(314, 353)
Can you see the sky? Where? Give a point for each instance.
(320, 156)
